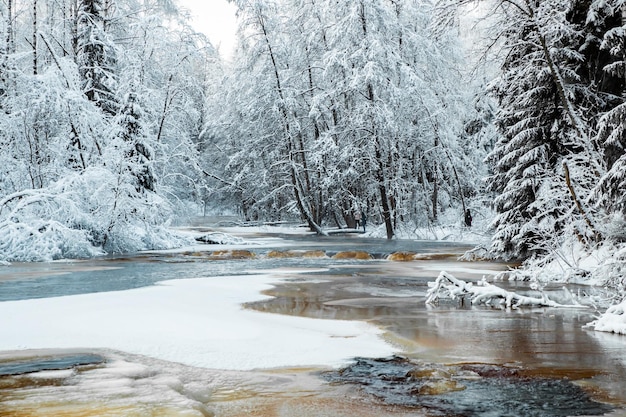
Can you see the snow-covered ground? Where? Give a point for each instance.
(198, 322)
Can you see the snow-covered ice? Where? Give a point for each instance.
(198, 322)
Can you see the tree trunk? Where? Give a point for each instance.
(10, 42)
(386, 211)
(458, 180)
(435, 195)
(297, 188)
(35, 37)
(579, 206)
(384, 198)
(4, 53)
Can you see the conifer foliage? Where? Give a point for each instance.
(95, 54)
(559, 165)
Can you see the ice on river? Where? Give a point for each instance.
(198, 322)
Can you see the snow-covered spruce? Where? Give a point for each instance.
(448, 286)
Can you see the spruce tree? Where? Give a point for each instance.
(95, 55)
(540, 126)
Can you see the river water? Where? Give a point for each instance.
(453, 360)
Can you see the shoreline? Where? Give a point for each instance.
(148, 386)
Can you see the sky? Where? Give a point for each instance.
(216, 19)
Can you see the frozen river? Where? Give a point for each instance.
(272, 327)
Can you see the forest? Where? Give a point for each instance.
(117, 118)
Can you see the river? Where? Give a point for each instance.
(449, 359)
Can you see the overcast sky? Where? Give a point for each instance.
(216, 19)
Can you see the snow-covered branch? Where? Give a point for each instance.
(448, 286)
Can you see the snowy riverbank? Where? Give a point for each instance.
(197, 322)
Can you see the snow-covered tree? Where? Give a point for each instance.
(92, 160)
(545, 163)
(608, 21)
(95, 54)
(337, 107)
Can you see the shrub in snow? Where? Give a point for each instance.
(82, 215)
(43, 240)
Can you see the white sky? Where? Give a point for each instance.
(216, 19)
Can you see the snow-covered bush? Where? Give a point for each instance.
(612, 321)
(81, 215)
(43, 240)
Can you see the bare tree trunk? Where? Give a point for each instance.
(435, 195)
(299, 192)
(579, 206)
(166, 104)
(35, 37)
(10, 39)
(382, 188)
(4, 52)
(458, 180)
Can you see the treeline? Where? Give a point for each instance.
(340, 106)
(336, 107)
(113, 113)
(101, 106)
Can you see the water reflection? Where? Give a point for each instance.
(550, 342)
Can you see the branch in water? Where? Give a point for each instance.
(448, 286)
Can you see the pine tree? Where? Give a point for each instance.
(137, 154)
(95, 55)
(608, 21)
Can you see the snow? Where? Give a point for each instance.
(612, 321)
(60, 374)
(197, 322)
(448, 286)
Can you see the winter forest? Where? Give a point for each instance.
(117, 117)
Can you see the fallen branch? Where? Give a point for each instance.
(344, 231)
(448, 286)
